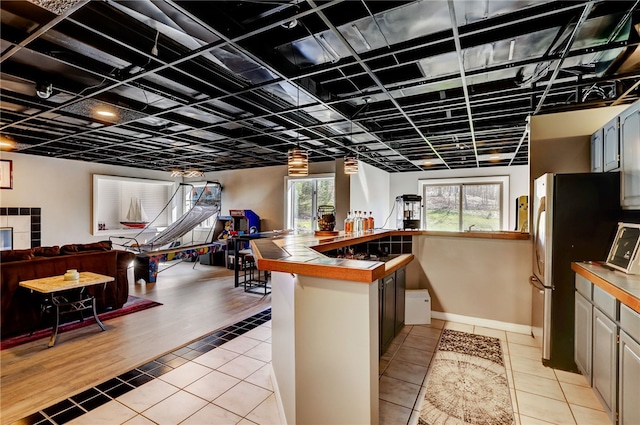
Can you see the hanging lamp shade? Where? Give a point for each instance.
(351, 165)
(298, 162)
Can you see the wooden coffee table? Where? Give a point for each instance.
(57, 293)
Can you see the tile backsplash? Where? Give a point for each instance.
(25, 222)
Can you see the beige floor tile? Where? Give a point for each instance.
(185, 374)
(262, 378)
(413, 355)
(581, 396)
(510, 377)
(267, 324)
(425, 331)
(544, 408)
(139, 420)
(399, 392)
(571, 378)
(415, 417)
(421, 343)
(524, 339)
(586, 416)
(462, 327)
(242, 398)
(437, 323)
(383, 364)
(533, 367)
(527, 420)
(241, 367)
(261, 351)
(266, 413)
(404, 371)
(246, 422)
(240, 344)
(261, 333)
(145, 396)
(175, 409)
(538, 385)
(392, 414)
(526, 351)
(216, 358)
(108, 414)
(496, 333)
(212, 386)
(212, 415)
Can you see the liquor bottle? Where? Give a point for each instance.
(370, 219)
(348, 223)
(365, 221)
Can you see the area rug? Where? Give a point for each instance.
(467, 382)
(133, 305)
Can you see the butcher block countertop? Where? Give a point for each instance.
(301, 253)
(624, 287)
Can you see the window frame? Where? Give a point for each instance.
(503, 180)
(289, 201)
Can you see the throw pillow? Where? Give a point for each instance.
(46, 251)
(69, 249)
(95, 246)
(16, 255)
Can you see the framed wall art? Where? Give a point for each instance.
(6, 174)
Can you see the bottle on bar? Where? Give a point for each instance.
(370, 219)
(348, 223)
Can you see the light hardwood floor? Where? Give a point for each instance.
(196, 302)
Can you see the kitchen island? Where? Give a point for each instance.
(325, 332)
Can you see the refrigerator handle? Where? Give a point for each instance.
(533, 281)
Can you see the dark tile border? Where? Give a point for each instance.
(81, 403)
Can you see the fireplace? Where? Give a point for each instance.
(23, 226)
(6, 238)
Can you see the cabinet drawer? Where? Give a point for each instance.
(605, 302)
(630, 322)
(583, 286)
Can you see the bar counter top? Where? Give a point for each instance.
(301, 253)
(624, 287)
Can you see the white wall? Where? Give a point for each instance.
(407, 183)
(63, 189)
(370, 192)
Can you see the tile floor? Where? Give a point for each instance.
(225, 379)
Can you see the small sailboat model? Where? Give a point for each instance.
(136, 217)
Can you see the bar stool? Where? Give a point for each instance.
(253, 281)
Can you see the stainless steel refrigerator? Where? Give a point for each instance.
(574, 219)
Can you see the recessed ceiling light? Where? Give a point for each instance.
(106, 113)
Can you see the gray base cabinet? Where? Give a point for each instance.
(582, 339)
(391, 306)
(605, 335)
(629, 380)
(607, 350)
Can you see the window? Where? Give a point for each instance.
(304, 195)
(475, 203)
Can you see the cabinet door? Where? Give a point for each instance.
(611, 150)
(400, 297)
(629, 381)
(388, 310)
(582, 338)
(596, 151)
(630, 142)
(604, 361)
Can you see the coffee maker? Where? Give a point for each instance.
(408, 215)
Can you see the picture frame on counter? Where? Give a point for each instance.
(624, 254)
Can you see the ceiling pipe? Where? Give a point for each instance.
(465, 89)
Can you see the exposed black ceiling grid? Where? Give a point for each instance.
(234, 84)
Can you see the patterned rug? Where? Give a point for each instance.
(467, 382)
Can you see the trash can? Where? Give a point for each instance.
(417, 307)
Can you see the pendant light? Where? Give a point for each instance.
(351, 161)
(298, 159)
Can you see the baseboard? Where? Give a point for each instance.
(487, 323)
(276, 392)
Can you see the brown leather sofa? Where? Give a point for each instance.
(20, 309)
